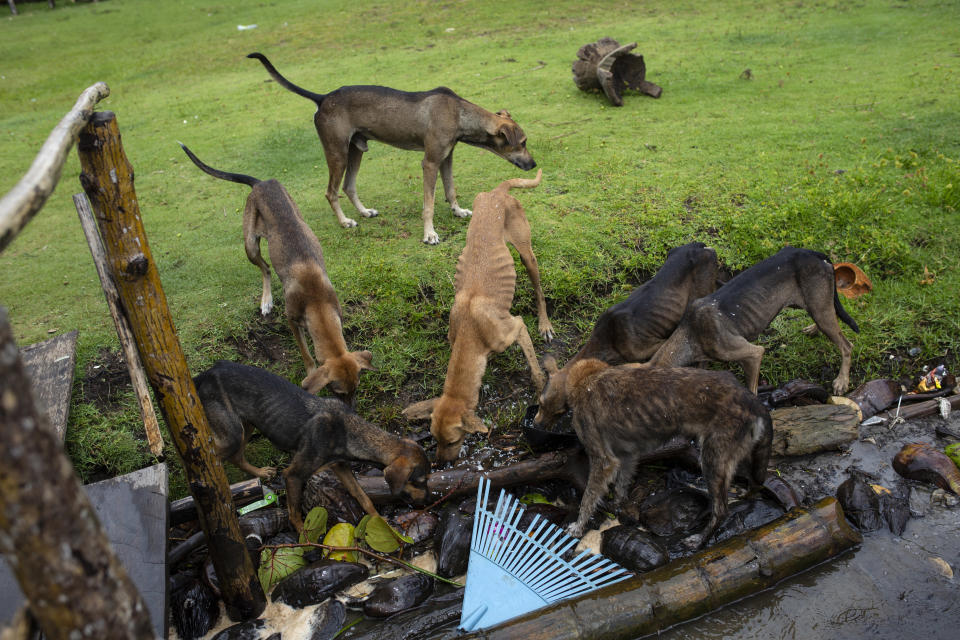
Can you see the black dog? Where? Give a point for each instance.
(633, 330)
(317, 431)
(721, 326)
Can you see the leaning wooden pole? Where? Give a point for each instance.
(127, 342)
(692, 586)
(49, 532)
(107, 179)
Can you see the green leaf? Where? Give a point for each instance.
(341, 535)
(314, 526)
(277, 564)
(361, 531)
(534, 498)
(381, 537)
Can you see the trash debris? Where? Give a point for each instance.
(246, 27)
(928, 276)
(927, 464)
(932, 380)
(633, 548)
(398, 595)
(269, 497)
(874, 396)
(942, 567)
(851, 281)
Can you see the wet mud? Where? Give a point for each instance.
(891, 587)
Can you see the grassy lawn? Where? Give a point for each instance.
(844, 138)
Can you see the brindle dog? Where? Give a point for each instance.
(622, 412)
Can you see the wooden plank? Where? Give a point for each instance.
(49, 364)
(133, 512)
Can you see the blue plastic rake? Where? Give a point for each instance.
(512, 572)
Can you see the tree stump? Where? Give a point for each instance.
(607, 66)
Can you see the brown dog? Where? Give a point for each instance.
(429, 121)
(310, 299)
(480, 320)
(318, 432)
(633, 330)
(722, 326)
(622, 412)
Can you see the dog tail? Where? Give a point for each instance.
(286, 84)
(223, 175)
(842, 313)
(521, 183)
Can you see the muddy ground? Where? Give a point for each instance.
(889, 584)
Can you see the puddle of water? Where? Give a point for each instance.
(889, 586)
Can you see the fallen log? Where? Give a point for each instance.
(920, 409)
(819, 427)
(691, 586)
(568, 464)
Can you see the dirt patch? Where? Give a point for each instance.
(267, 341)
(106, 380)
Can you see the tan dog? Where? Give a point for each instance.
(480, 320)
(309, 296)
(429, 121)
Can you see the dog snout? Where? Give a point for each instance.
(525, 163)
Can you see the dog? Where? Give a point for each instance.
(318, 432)
(429, 121)
(310, 300)
(480, 320)
(621, 412)
(633, 330)
(721, 326)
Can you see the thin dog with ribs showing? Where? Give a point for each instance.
(622, 412)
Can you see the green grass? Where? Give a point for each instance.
(845, 140)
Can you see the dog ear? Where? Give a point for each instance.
(550, 365)
(511, 132)
(420, 410)
(364, 359)
(473, 424)
(316, 379)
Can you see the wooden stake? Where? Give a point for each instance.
(51, 537)
(137, 377)
(107, 179)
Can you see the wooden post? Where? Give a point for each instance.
(51, 537)
(127, 342)
(107, 179)
(13, 7)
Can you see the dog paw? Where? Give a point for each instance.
(346, 223)
(266, 308)
(546, 331)
(574, 530)
(370, 213)
(266, 473)
(431, 237)
(461, 213)
(840, 386)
